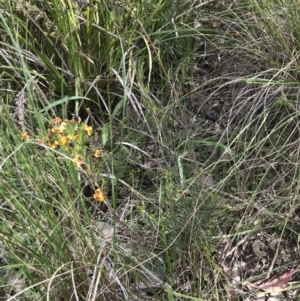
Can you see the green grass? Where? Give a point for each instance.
(183, 202)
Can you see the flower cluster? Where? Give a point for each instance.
(69, 136)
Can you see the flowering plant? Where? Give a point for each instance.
(70, 136)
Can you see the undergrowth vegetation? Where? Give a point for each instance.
(149, 150)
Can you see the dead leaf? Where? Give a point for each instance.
(257, 249)
(16, 281)
(231, 277)
(107, 230)
(277, 283)
(145, 166)
(217, 132)
(274, 285)
(208, 180)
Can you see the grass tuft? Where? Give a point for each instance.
(149, 150)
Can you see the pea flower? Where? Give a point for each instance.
(56, 120)
(88, 129)
(98, 195)
(77, 162)
(97, 154)
(55, 144)
(24, 136)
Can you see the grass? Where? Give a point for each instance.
(194, 110)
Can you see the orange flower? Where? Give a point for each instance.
(50, 133)
(24, 136)
(98, 195)
(55, 144)
(88, 129)
(56, 120)
(97, 154)
(76, 161)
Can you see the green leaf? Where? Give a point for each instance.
(61, 101)
(104, 131)
(118, 107)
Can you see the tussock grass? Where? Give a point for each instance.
(184, 199)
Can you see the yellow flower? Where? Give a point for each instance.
(24, 136)
(98, 195)
(63, 125)
(68, 139)
(62, 139)
(97, 154)
(56, 120)
(58, 129)
(88, 129)
(76, 161)
(55, 144)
